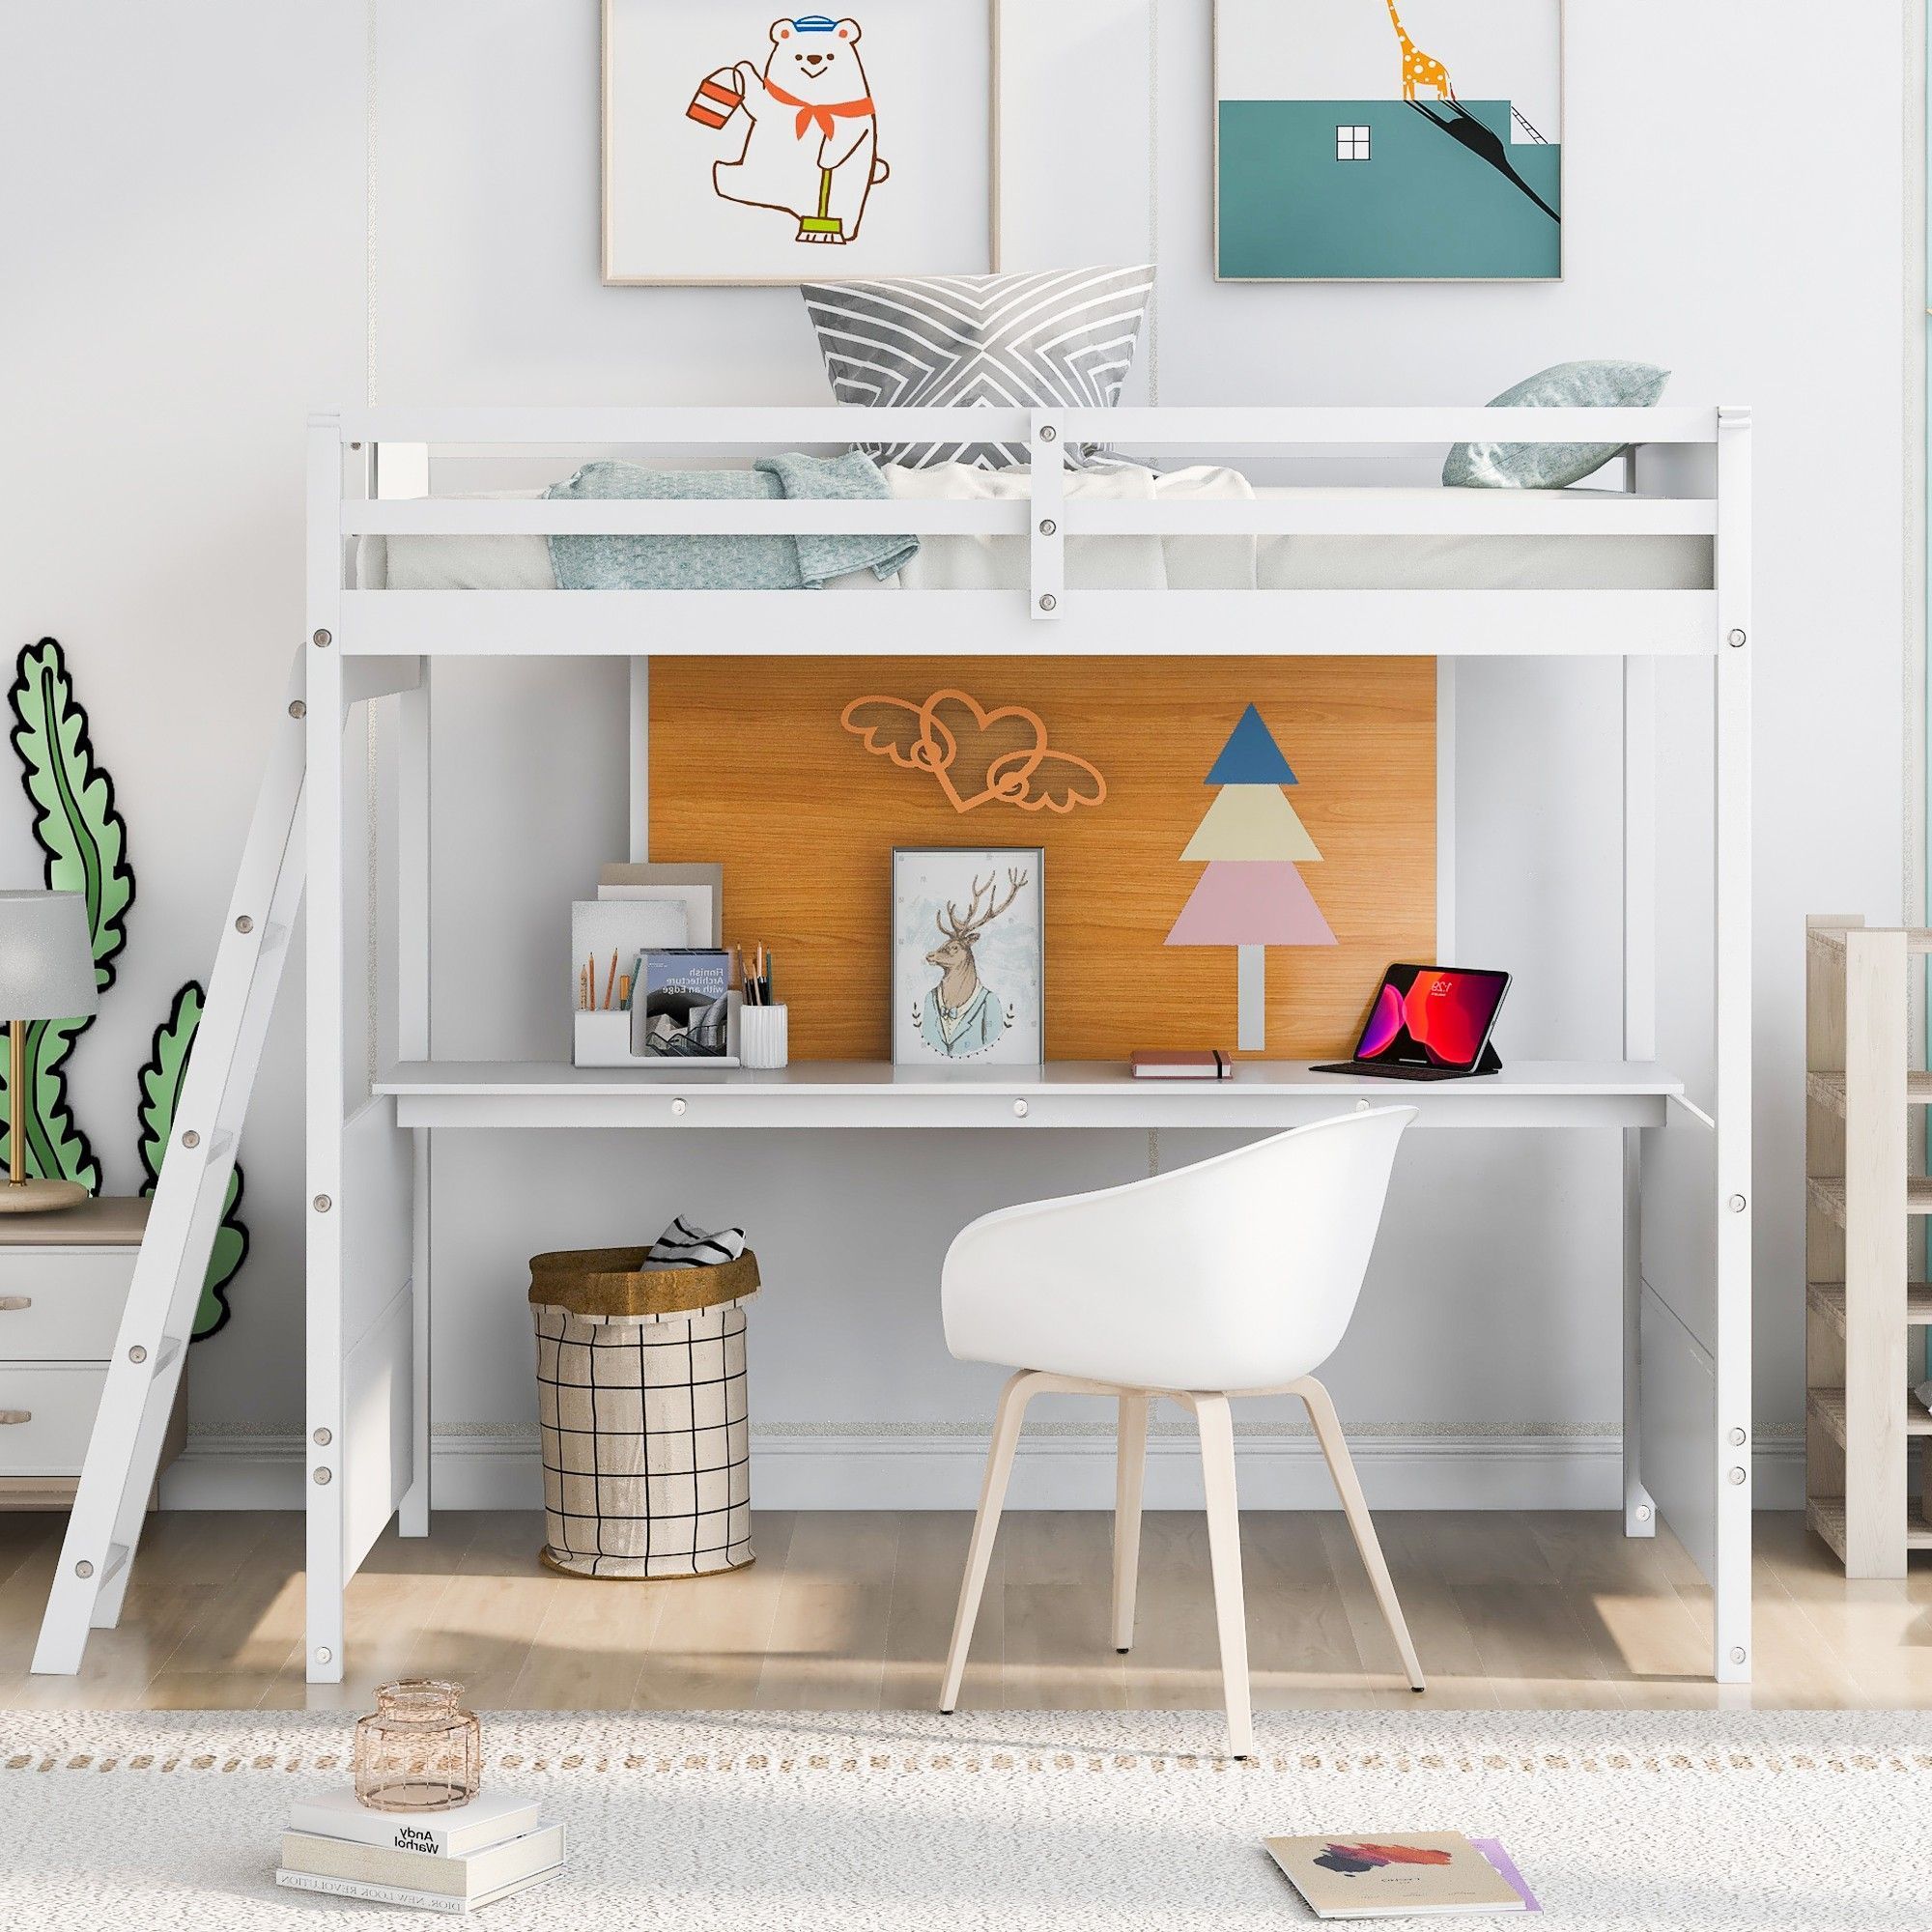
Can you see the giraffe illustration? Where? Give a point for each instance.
(1418, 68)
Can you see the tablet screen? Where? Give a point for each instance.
(1432, 1017)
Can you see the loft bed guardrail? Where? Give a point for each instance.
(1624, 618)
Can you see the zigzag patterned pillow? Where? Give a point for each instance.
(1063, 338)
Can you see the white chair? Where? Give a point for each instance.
(1237, 1277)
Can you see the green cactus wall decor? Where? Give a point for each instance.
(84, 840)
(160, 1084)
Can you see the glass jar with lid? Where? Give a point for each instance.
(418, 1750)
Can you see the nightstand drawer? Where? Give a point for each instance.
(61, 1304)
(45, 1416)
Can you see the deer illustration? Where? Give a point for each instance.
(962, 1017)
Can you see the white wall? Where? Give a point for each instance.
(185, 247)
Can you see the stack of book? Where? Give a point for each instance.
(450, 1861)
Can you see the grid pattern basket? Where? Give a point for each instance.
(642, 1415)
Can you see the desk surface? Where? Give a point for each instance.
(1063, 1093)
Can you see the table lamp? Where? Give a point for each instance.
(47, 973)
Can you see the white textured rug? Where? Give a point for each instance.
(1007, 1820)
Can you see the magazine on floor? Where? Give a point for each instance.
(1441, 1873)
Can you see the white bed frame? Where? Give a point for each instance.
(1681, 1095)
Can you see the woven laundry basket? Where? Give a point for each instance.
(640, 1408)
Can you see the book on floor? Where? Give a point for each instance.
(470, 1877)
(1492, 1850)
(402, 1894)
(486, 1820)
(1397, 1877)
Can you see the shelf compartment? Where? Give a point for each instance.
(1827, 1298)
(1827, 1196)
(1827, 1408)
(1829, 1090)
(1832, 938)
(1825, 1516)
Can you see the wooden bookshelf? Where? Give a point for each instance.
(1863, 1351)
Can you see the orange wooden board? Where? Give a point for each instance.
(751, 766)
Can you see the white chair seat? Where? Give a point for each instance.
(1235, 1276)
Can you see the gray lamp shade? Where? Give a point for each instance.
(46, 957)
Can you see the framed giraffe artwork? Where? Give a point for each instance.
(740, 148)
(1388, 140)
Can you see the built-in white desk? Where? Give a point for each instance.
(1262, 1095)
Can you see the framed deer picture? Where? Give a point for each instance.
(969, 957)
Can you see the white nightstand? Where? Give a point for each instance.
(64, 1280)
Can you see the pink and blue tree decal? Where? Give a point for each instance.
(1252, 895)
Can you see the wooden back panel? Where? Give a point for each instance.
(751, 765)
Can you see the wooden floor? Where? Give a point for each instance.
(853, 1611)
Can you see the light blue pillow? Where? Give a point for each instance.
(1552, 466)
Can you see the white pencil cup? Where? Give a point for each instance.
(764, 1036)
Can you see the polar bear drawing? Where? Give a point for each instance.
(812, 145)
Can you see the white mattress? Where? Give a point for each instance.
(1266, 563)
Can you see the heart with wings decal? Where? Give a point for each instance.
(979, 756)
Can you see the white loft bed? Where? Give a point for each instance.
(1681, 1095)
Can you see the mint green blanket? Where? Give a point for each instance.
(726, 563)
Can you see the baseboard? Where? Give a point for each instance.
(826, 1469)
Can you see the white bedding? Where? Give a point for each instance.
(1134, 563)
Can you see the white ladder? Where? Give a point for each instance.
(123, 1450)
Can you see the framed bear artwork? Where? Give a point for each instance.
(744, 148)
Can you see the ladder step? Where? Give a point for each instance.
(117, 1559)
(166, 1354)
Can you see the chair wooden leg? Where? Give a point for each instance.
(1216, 1423)
(1342, 1467)
(1014, 1399)
(1129, 1479)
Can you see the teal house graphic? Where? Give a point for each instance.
(1343, 153)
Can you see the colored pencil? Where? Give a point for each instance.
(610, 980)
